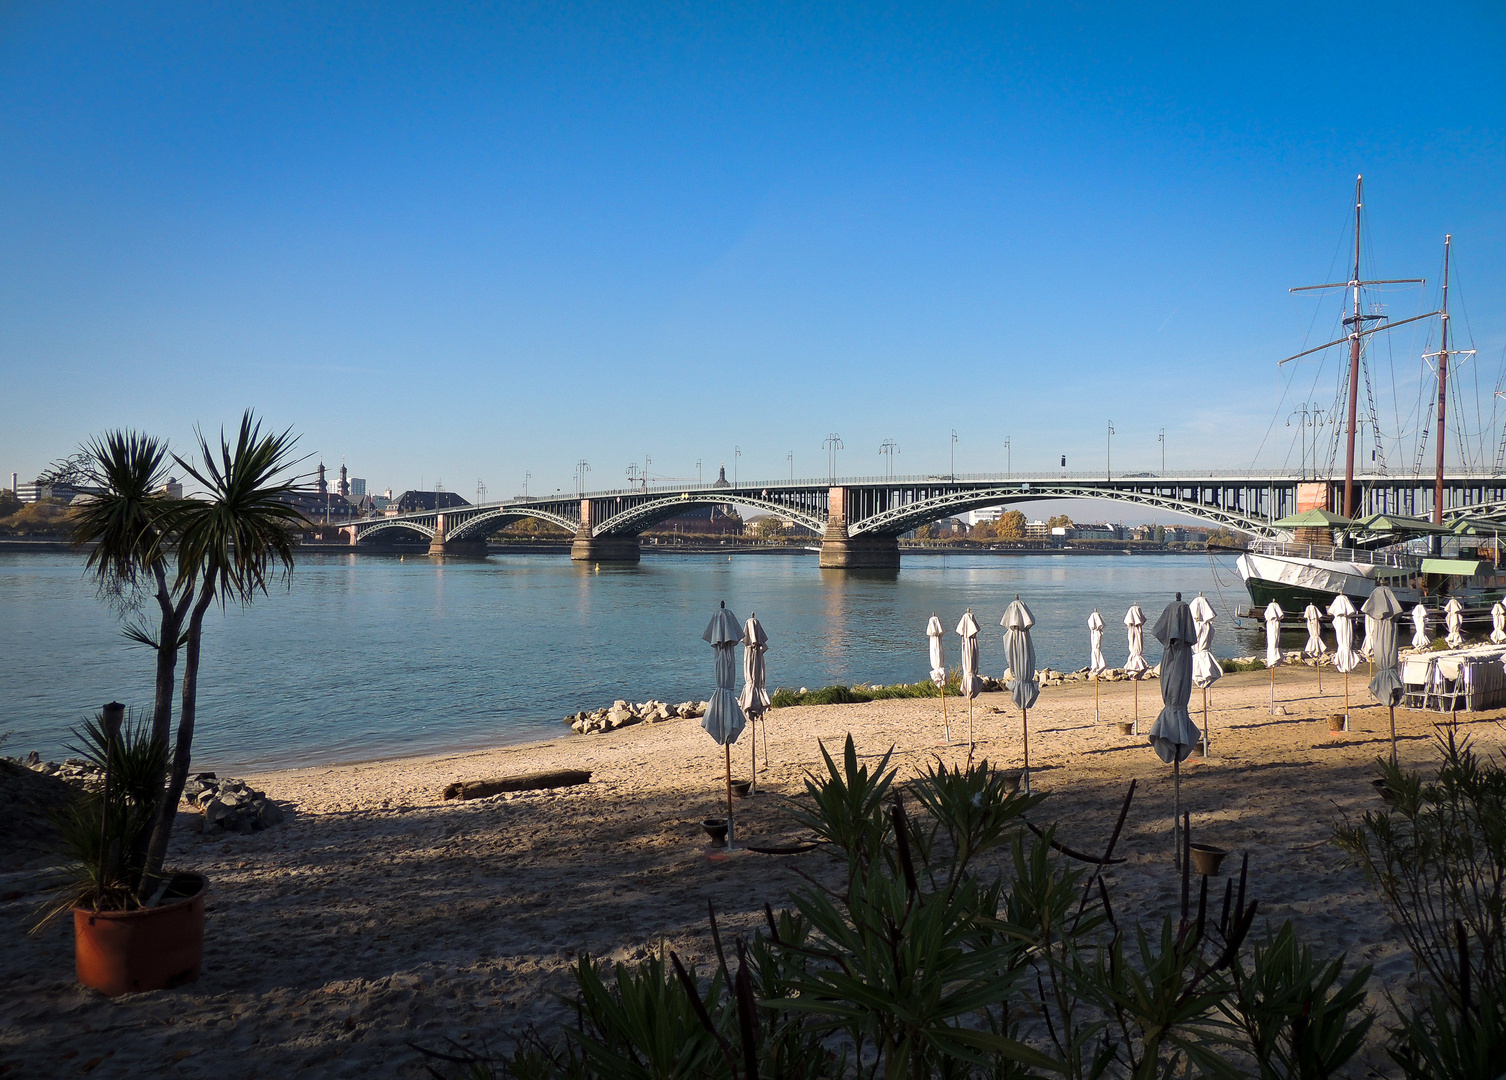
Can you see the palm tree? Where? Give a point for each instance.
(132, 524)
(230, 545)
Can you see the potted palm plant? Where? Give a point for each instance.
(185, 554)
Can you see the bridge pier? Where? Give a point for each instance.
(839, 551)
(442, 545)
(605, 549)
(859, 553)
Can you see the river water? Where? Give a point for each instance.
(373, 656)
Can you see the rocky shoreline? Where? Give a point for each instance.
(227, 806)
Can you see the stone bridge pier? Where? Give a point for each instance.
(839, 551)
(588, 548)
(442, 545)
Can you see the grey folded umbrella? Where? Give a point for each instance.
(1019, 650)
(724, 719)
(1173, 735)
(1383, 608)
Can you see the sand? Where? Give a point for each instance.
(379, 916)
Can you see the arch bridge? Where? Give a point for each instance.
(861, 519)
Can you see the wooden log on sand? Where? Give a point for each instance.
(496, 785)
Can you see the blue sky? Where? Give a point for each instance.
(469, 241)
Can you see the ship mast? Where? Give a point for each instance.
(1443, 354)
(1355, 324)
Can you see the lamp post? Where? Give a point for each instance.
(831, 445)
(697, 470)
(581, 468)
(1161, 438)
(1108, 453)
(954, 456)
(1008, 458)
(790, 457)
(737, 452)
(888, 448)
(527, 476)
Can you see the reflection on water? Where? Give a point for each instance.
(370, 656)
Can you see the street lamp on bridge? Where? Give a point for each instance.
(1008, 458)
(954, 456)
(581, 468)
(888, 448)
(831, 445)
(1108, 453)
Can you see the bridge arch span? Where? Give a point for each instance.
(903, 518)
(424, 531)
(636, 519)
(480, 526)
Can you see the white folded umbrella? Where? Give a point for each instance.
(1453, 618)
(1498, 623)
(1135, 666)
(1420, 639)
(971, 684)
(1096, 665)
(1273, 614)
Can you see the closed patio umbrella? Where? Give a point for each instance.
(1273, 615)
(754, 699)
(971, 684)
(1205, 667)
(1498, 623)
(1173, 735)
(1420, 639)
(937, 638)
(1453, 618)
(1096, 664)
(1134, 665)
(1315, 646)
(1345, 659)
(1367, 643)
(1387, 685)
(1020, 651)
(724, 720)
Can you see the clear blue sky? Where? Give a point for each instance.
(467, 241)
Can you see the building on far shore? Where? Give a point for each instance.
(412, 502)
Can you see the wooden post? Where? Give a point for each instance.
(1205, 723)
(1136, 680)
(728, 747)
(1393, 734)
(1176, 802)
(945, 725)
(1025, 728)
(1273, 690)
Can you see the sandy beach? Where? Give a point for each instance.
(379, 915)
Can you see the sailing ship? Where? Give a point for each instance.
(1329, 553)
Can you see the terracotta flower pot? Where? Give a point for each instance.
(1206, 858)
(1336, 722)
(128, 952)
(716, 828)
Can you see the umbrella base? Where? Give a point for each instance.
(860, 553)
(605, 549)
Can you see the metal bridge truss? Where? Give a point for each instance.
(630, 515)
(881, 508)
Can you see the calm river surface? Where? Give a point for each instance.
(368, 656)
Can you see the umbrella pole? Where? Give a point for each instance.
(945, 725)
(1205, 723)
(1095, 697)
(753, 776)
(1025, 729)
(1393, 734)
(1135, 680)
(1273, 691)
(1176, 802)
(970, 739)
(728, 748)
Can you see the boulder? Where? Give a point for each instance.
(497, 785)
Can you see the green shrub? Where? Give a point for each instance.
(1438, 856)
(933, 963)
(851, 695)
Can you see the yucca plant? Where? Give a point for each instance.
(187, 554)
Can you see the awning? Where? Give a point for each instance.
(1313, 519)
(1454, 567)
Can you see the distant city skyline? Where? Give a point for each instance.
(490, 245)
